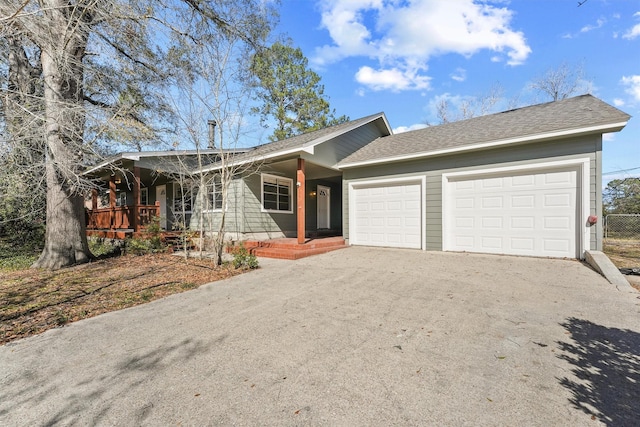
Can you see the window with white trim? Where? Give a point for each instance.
(214, 195)
(276, 194)
(144, 196)
(183, 196)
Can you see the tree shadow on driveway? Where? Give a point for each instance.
(606, 367)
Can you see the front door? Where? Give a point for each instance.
(324, 207)
(161, 197)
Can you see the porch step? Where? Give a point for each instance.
(290, 249)
(175, 242)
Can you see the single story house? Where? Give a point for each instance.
(523, 182)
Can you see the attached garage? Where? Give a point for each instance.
(531, 212)
(522, 182)
(387, 214)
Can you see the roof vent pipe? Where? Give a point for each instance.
(212, 133)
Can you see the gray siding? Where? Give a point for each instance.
(434, 167)
(256, 221)
(328, 154)
(233, 217)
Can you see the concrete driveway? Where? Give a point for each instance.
(359, 336)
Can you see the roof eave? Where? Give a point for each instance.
(606, 128)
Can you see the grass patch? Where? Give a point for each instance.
(15, 258)
(624, 253)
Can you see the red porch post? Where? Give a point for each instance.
(91, 223)
(135, 218)
(301, 199)
(112, 200)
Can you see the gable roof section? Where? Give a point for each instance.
(573, 116)
(305, 142)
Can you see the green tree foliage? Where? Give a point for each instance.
(290, 92)
(622, 196)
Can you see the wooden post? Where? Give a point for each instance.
(112, 200)
(301, 201)
(135, 220)
(94, 206)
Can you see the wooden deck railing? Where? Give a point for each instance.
(121, 217)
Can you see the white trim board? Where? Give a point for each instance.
(484, 145)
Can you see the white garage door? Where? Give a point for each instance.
(524, 214)
(387, 215)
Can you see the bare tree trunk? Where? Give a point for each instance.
(65, 239)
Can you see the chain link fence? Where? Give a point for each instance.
(622, 227)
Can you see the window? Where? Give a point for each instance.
(214, 195)
(276, 193)
(183, 197)
(144, 196)
(121, 199)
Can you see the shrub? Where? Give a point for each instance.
(242, 258)
(149, 242)
(104, 248)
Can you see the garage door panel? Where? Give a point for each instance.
(523, 214)
(391, 216)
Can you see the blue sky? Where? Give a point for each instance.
(403, 56)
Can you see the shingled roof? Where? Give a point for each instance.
(581, 114)
(304, 141)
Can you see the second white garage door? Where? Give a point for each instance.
(387, 215)
(521, 214)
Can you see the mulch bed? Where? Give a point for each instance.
(32, 301)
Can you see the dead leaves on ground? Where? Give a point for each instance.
(32, 301)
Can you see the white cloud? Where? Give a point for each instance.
(618, 102)
(634, 31)
(633, 85)
(459, 75)
(402, 36)
(401, 129)
(608, 137)
(599, 23)
(391, 79)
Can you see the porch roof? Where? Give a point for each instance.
(115, 162)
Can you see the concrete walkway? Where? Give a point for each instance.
(359, 336)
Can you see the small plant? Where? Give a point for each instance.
(103, 248)
(146, 295)
(242, 258)
(60, 318)
(149, 242)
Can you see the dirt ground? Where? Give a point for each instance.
(32, 301)
(624, 253)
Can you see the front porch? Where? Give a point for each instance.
(117, 221)
(291, 249)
